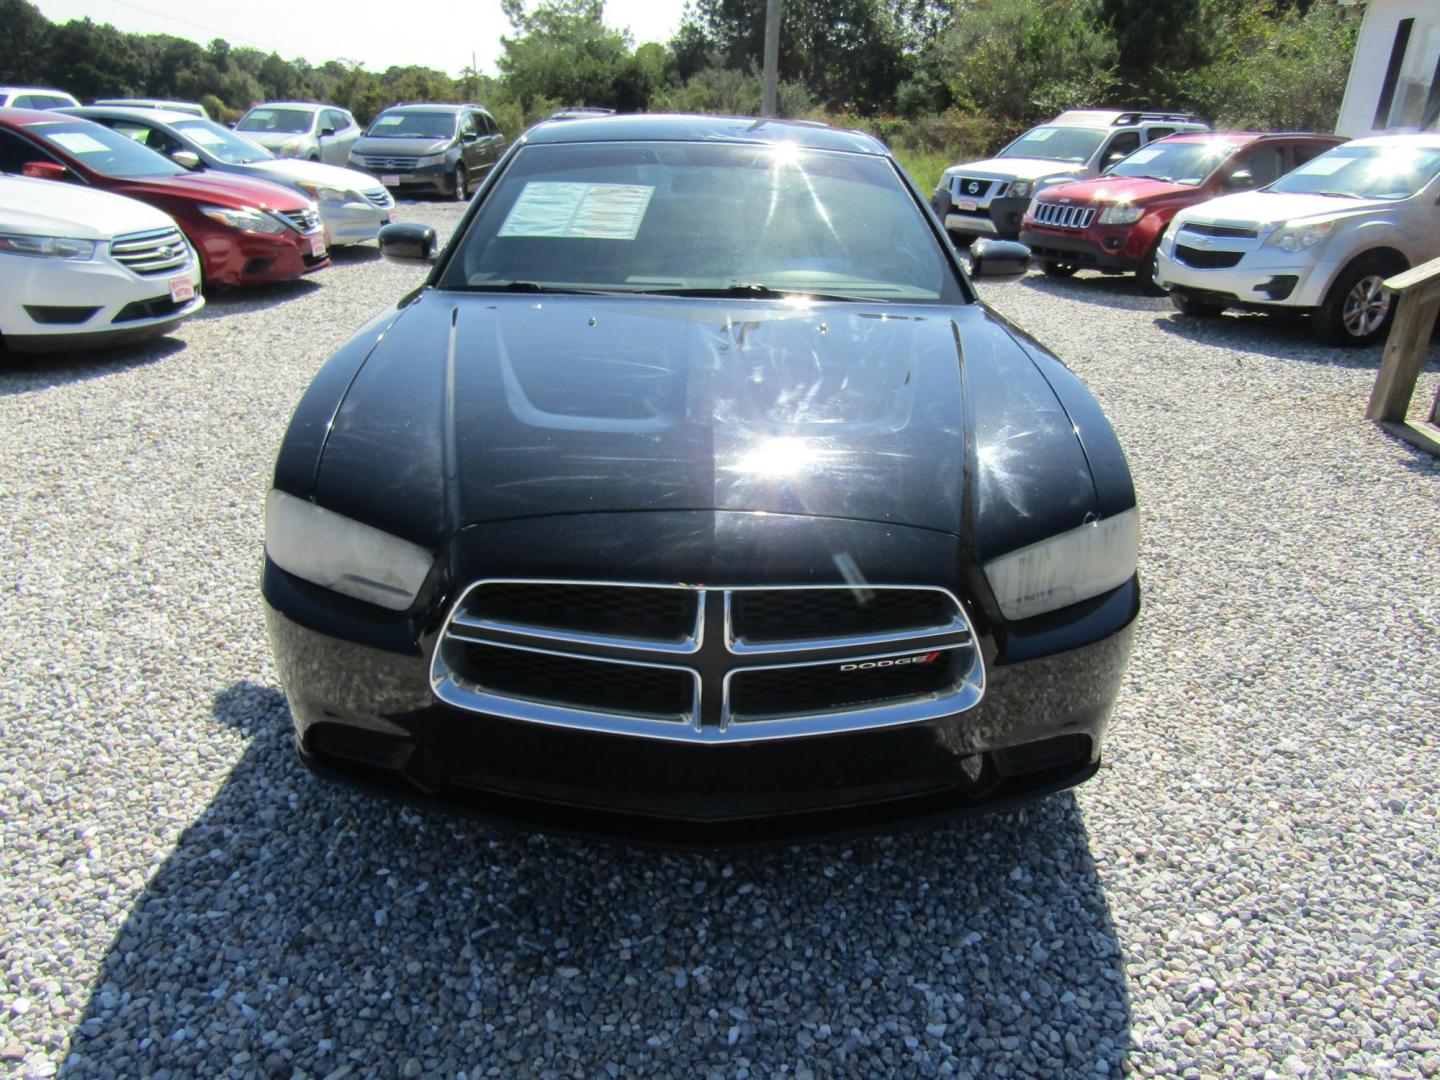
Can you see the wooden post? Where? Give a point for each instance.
(1418, 291)
(769, 104)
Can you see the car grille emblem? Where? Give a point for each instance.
(1201, 242)
(871, 665)
(972, 187)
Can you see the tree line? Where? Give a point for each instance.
(922, 70)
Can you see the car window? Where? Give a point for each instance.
(1125, 143)
(15, 152)
(107, 152)
(1265, 164)
(1302, 152)
(156, 140)
(25, 101)
(1188, 163)
(1384, 171)
(222, 142)
(1056, 144)
(1154, 133)
(282, 121)
(406, 124)
(467, 124)
(334, 119)
(672, 217)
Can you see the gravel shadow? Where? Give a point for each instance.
(298, 928)
(220, 302)
(354, 254)
(1283, 336)
(25, 373)
(1112, 290)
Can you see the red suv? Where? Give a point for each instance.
(245, 231)
(1113, 223)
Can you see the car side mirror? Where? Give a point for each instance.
(1241, 180)
(469, 136)
(186, 159)
(326, 132)
(44, 170)
(408, 242)
(999, 259)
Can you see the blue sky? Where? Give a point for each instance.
(437, 33)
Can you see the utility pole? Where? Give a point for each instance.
(772, 56)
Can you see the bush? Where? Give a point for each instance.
(728, 92)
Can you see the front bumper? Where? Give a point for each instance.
(998, 217)
(354, 222)
(1080, 249)
(426, 179)
(367, 714)
(241, 258)
(51, 305)
(1264, 276)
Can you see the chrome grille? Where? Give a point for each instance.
(707, 664)
(303, 220)
(393, 162)
(378, 197)
(159, 251)
(1062, 215)
(975, 187)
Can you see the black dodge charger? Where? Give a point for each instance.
(695, 497)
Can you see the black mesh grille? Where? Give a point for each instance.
(628, 689)
(820, 688)
(1219, 230)
(768, 616)
(1207, 260)
(149, 309)
(615, 611)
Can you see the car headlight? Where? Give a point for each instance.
(56, 247)
(431, 159)
(1299, 235)
(246, 219)
(1068, 568)
(321, 193)
(292, 147)
(1020, 188)
(1121, 214)
(331, 550)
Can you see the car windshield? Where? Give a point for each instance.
(280, 121)
(413, 125)
(222, 143)
(1364, 172)
(107, 152)
(702, 219)
(1177, 162)
(1056, 143)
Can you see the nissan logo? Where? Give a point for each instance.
(870, 665)
(972, 187)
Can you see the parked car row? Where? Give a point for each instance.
(1260, 221)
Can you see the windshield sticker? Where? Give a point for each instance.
(77, 142)
(1324, 166)
(1139, 157)
(388, 121)
(578, 211)
(1039, 135)
(261, 114)
(205, 137)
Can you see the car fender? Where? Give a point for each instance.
(1369, 236)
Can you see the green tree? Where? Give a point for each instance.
(27, 38)
(562, 50)
(1158, 39)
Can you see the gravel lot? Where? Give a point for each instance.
(1248, 887)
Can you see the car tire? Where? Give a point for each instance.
(1187, 304)
(461, 184)
(1357, 311)
(1146, 274)
(1059, 270)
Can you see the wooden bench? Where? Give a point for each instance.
(1418, 291)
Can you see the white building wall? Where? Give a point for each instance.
(1372, 59)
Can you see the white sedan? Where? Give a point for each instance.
(82, 268)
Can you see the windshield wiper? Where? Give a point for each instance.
(1336, 194)
(750, 290)
(536, 287)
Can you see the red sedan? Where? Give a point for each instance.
(1113, 223)
(246, 231)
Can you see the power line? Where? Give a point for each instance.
(197, 26)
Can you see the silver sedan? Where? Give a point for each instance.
(353, 205)
(302, 129)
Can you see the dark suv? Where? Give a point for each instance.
(421, 147)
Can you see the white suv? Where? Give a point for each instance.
(988, 198)
(1322, 238)
(81, 268)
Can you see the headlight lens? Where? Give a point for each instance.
(1121, 214)
(56, 247)
(1299, 235)
(1068, 568)
(332, 550)
(1020, 188)
(321, 193)
(431, 159)
(249, 220)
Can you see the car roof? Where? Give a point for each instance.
(311, 105)
(33, 90)
(1400, 138)
(433, 106)
(1106, 118)
(662, 127)
(162, 116)
(22, 117)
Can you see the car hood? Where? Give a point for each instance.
(226, 189)
(33, 207)
(1267, 208)
(567, 405)
(292, 171)
(272, 139)
(1128, 189)
(383, 147)
(1018, 168)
